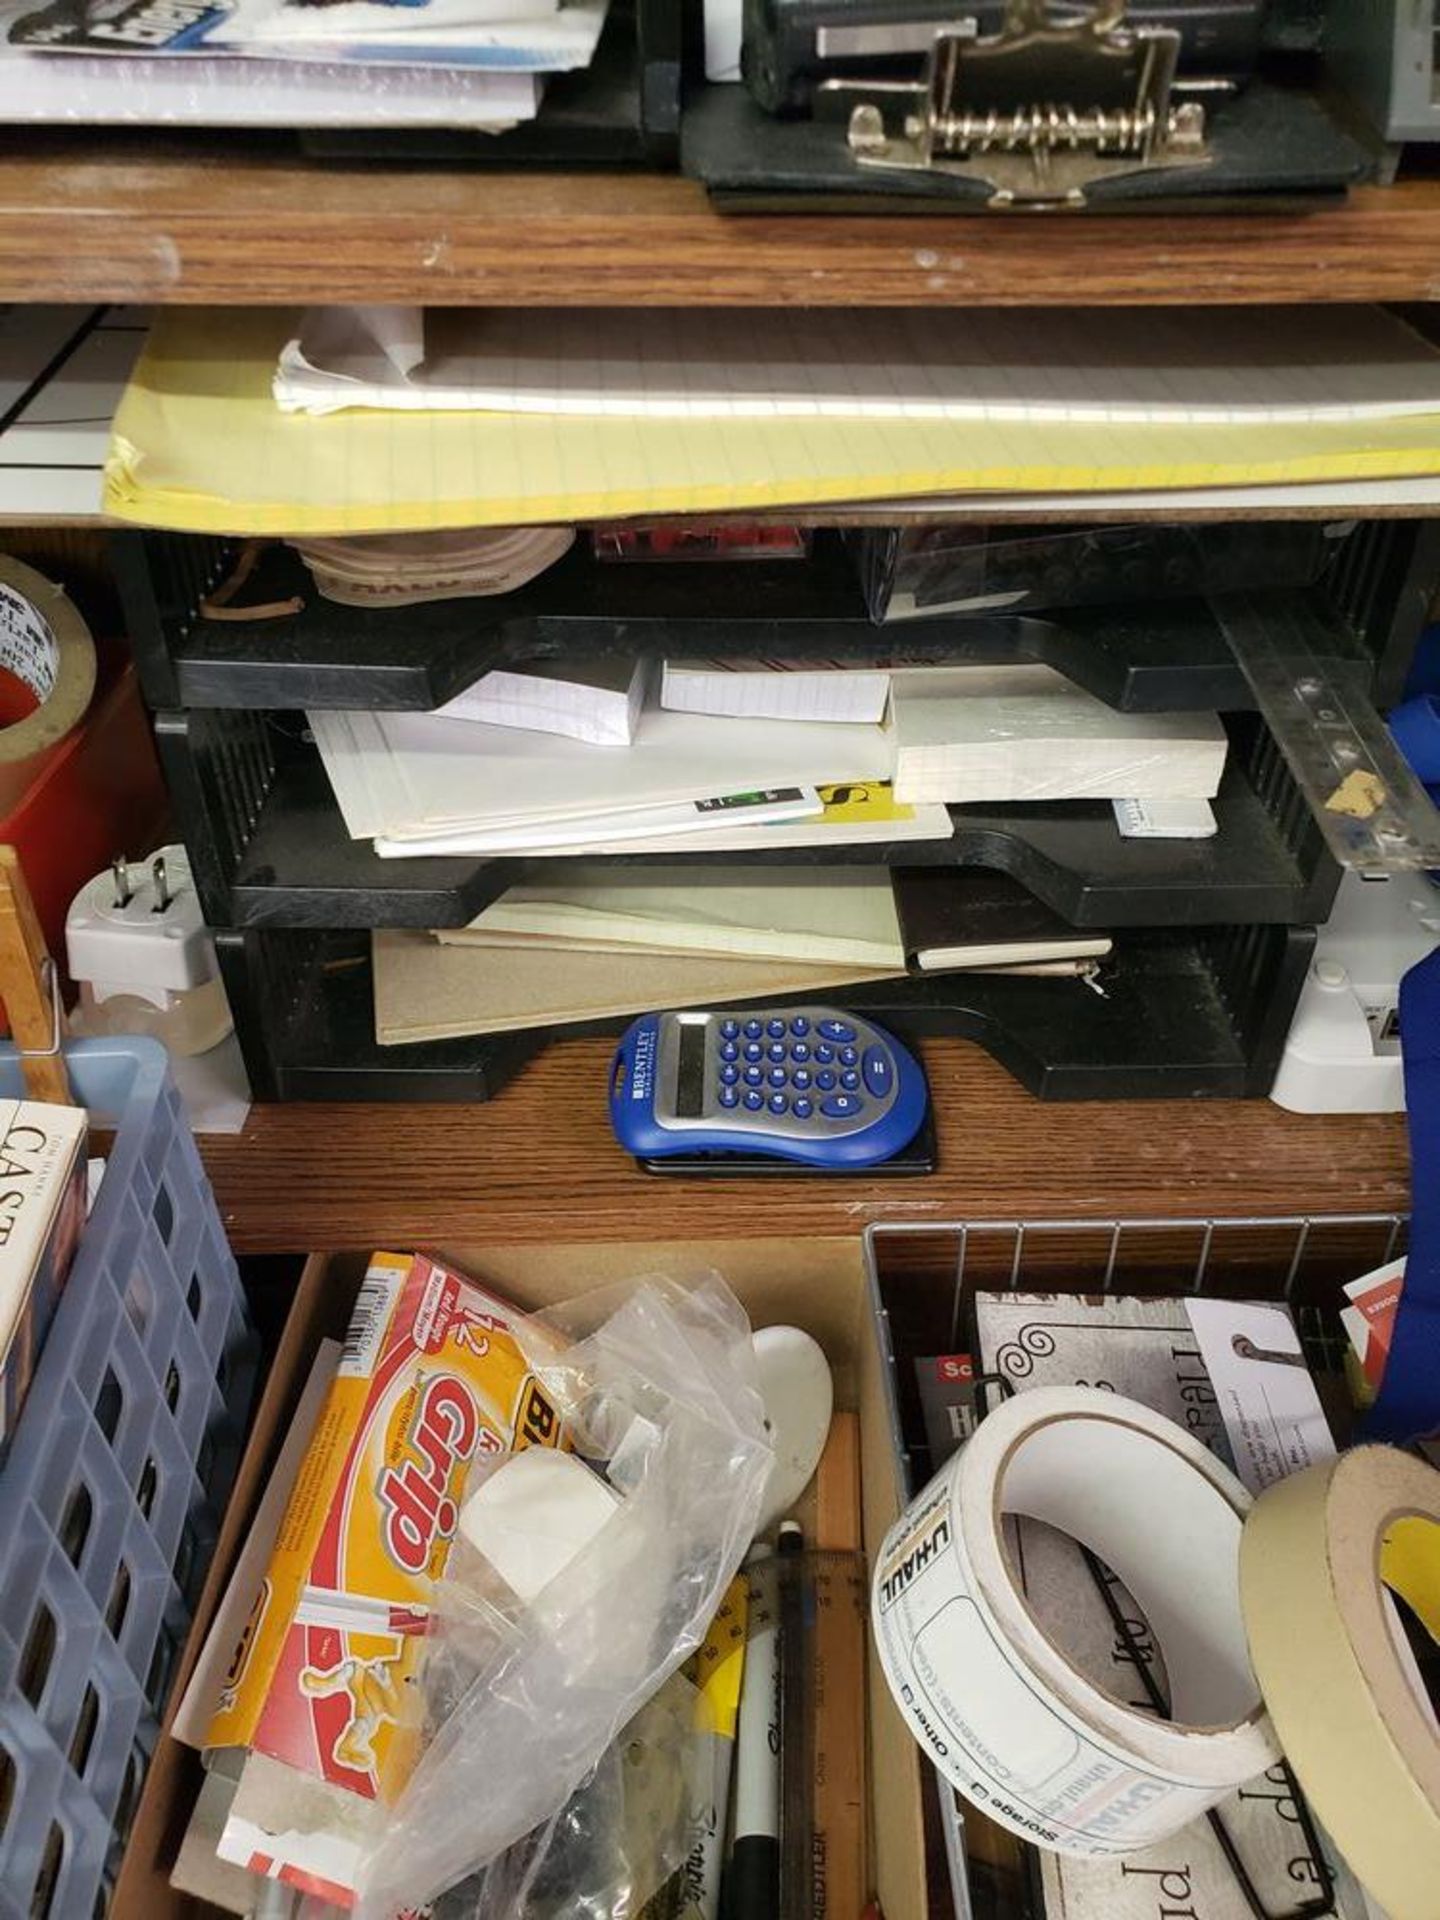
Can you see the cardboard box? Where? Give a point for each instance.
(431, 1377)
(816, 1284)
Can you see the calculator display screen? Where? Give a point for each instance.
(690, 1079)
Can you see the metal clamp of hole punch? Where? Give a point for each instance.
(1038, 111)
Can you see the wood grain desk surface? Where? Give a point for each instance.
(540, 1164)
(196, 219)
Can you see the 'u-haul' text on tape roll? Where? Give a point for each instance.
(1007, 1717)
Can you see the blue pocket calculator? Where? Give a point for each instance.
(801, 1083)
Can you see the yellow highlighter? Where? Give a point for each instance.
(719, 1667)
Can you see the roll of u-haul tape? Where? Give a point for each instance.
(1317, 1554)
(47, 647)
(1007, 1717)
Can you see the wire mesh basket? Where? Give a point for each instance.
(923, 1277)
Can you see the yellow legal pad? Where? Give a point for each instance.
(198, 445)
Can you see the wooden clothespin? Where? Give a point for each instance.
(29, 988)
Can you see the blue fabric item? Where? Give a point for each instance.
(1409, 1400)
(1415, 728)
(1425, 667)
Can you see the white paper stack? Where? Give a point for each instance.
(827, 916)
(599, 701)
(216, 90)
(851, 814)
(777, 689)
(538, 36)
(477, 65)
(967, 735)
(421, 783)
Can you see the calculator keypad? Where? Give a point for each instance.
(800, 1069)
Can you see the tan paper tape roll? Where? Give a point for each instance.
(1005, 1714)
(47, 646)
(1321, 1636)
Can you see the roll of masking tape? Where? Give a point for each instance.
(1009, 1720)
(1317, 1554)
(46, 646)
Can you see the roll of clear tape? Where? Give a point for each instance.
(1009, 1719)
(47, 647)
(1318, 1551)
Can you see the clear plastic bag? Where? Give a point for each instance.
(617, 1840)
(520, 1703)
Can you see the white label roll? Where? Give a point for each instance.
(1315, 1552)
(1008, 1719)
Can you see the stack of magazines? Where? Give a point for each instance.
(477, 65)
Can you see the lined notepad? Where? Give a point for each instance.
(1172, 367)
(200, 446)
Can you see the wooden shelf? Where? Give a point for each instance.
(211, 220)
(540, 1165)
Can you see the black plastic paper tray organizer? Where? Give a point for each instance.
(1201, 1014)
(1166, 656)
(304, 1013)
(268, 847)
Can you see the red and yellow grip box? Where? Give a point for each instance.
(431, 1377)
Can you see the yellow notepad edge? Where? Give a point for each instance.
(198, 445)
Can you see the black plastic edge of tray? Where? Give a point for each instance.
(303, 1007)
(1201, 1014)
(268, 846)
(1167, 656)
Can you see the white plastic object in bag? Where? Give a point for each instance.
(799, 1397)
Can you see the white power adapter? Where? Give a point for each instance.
(140, 953)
